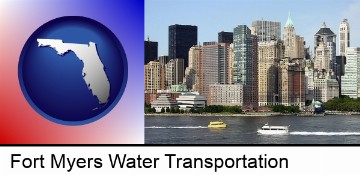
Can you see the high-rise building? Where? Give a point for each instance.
(242, 55)
(325, 88)
(294, 44)
(350, 82)
(292, 82)
(322, 61)
(231, 65)
(344, 37)
(243, 61)
(309, 83)
(163, 60)
(270, 53)
(225, 37)
(152, 77)
(266, 30)
(174, 73)
(181, 39)
(192, 71)
(326, 54)
(208, 68)
(254, 93)
(223, 58)
(289, 38)
(213, 65)
(340, 69)
(151, 51)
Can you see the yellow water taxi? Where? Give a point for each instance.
(217, 124)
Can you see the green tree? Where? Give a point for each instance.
(177, 110)
(153, 110)
(162, 110)
(172, 110)
(167, 109)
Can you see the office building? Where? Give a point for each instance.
(245, 60)
(226, 94)
(152, 77)
(231, 65)
(174, 72)
(192, 71)
(350, 81)
(292, 82)
(151, 51)
(181, 39)
(294, 44)
(325, 50)
(270, 53)
(191, 100)
(254, 92)
(225, 37)
(325, 88)
(242, 55)
(344, 37)
(309, 83)
(208, 68)
(266, 30)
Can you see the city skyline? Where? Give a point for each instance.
(160, 14)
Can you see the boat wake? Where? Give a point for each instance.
(174, 127)
(326, 133)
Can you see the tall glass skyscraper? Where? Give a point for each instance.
(181, 39)
(242, 55)
(243, 69)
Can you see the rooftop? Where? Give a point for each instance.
(324, 30)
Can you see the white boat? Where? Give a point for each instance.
(267, 129)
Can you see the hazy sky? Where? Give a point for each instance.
(213, 16)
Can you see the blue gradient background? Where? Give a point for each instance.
(19, 123)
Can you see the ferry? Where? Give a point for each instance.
(217, 124)
(266, 129)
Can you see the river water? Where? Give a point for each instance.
(329, 129)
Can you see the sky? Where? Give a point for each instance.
(213, 16)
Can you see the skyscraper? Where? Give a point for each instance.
(181, 39)
(270, 53)
(350, 82)
(254, 93)
(174, 72)
(208, 68)
(325, 49)
(344, 37)
(294, 44)
(243, 72)
(151, 51)
(292, 82)
(192, 71)
(225, 37)
(214, 65)
(266, 30)
(242, 55)
(152, 77)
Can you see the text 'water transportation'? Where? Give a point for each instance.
(267, 129)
